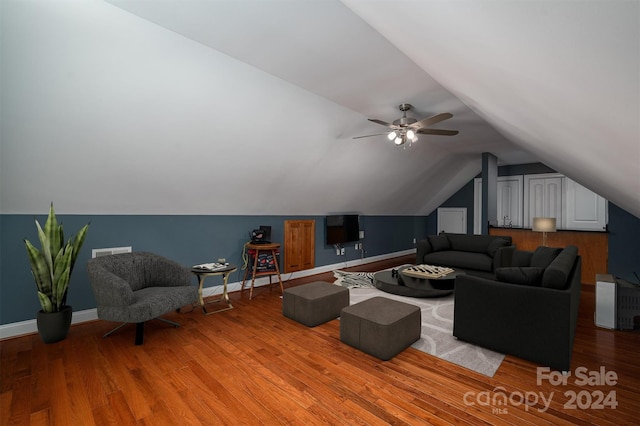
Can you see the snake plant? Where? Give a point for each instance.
(52, 264)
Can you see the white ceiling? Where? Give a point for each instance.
(184, 96)
(550, 81)
(323, 47)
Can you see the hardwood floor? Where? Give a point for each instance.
(250, 365)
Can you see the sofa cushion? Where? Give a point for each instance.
(521, 258)
(527, 275)
(494, 245)
(472, 243)
(460, 259)
(543, 256)
(557, 273)
(439, 243)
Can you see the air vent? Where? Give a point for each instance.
(109, 251)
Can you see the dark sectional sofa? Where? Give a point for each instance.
(478, 255)
(529, 310)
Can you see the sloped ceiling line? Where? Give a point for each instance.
(498, 54)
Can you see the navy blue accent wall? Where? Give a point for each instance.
(624, 243)
(462, 198)
(524, 169)
(489, 192)
(187, 239)
(391, 233)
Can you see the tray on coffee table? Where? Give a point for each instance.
(403, 284)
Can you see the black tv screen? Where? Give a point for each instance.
(343, 228)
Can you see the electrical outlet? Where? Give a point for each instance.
(357, 244)
(414, 241)
(342, 251)
(337, 252)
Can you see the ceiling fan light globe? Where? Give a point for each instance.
(398, 141)
(411, 134)
(392, 136)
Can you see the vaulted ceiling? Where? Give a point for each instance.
(267, 95)
(551, 81)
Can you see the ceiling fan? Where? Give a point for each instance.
(407, 129)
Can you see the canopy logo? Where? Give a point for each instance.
(596, 399)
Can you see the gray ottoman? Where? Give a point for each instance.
(380, 327)
(314, 303)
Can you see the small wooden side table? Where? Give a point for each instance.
(270, 248)
(204, 273)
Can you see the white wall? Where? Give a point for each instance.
(557, 78)
(103, 112)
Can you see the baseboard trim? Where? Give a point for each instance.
(21, 328)
(236, 286)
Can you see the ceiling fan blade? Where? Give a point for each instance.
(440, 132)
(368, 136)
(382, 122)
(432, 120)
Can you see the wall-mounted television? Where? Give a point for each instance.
(342, 228)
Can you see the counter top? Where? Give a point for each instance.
(520, 228)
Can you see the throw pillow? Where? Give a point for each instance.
(495, 245)
(521, 258)
(543, 256)
(526, 275)
(439, 242)
(556, 275)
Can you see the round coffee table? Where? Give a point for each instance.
(405, 285)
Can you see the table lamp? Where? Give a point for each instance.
(544, 225)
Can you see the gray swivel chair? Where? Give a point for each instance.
(137, 287)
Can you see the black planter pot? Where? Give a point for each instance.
(54, 326)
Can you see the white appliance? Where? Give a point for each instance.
(605, 315)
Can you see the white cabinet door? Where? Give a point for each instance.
(510, 201)
(585, 210)
(452, 220)
(543, 197)
(520, 199)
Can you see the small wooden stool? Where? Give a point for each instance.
(314, 303)
(380, 327)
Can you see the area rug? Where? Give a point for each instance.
(354, 279)
(436, 337)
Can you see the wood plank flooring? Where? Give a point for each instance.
(252, 366)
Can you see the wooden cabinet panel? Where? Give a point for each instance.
(299, 245)
(592, 246)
